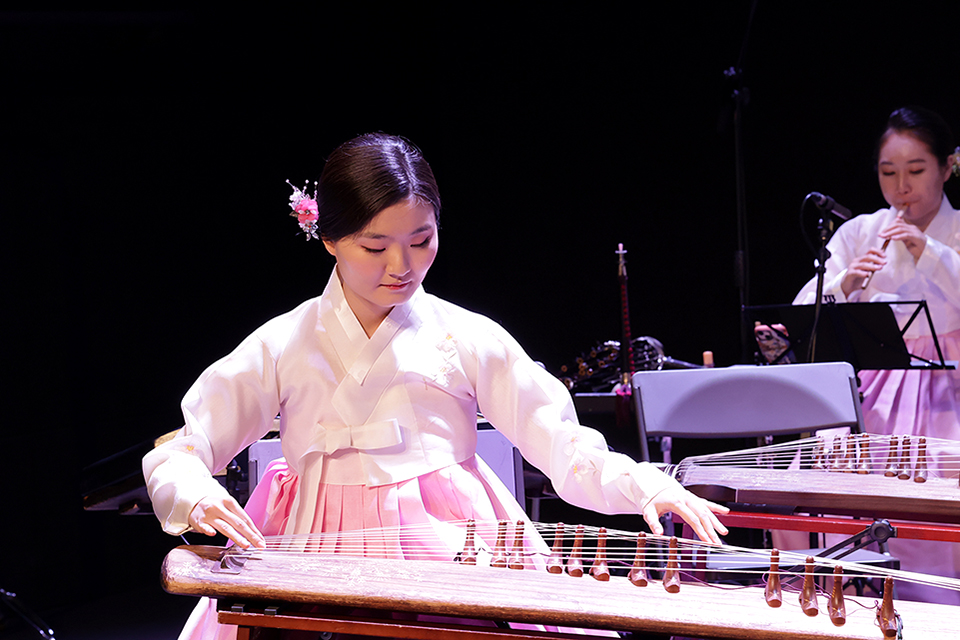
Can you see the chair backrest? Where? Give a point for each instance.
(746, 401)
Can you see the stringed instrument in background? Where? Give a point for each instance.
(858, 474)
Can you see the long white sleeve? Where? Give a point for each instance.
(230, 406)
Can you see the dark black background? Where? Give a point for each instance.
(144, 207)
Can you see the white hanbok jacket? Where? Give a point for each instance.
(359, 411)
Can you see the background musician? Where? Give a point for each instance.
(909, 251)
(377, 385)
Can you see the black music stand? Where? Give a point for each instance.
(865, 334)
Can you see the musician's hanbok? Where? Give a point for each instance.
(377, 385)
(909, 251)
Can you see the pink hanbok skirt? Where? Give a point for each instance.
(916, 403)
(432, 501)
(920, 403)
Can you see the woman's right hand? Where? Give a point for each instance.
(861, 268)
(225, 515)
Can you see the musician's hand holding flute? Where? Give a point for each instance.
(908, 233)
(861, 269)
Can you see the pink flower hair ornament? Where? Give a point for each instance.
(305, 209)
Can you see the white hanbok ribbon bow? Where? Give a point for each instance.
(373, 435)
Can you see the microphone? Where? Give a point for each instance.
(826, 203)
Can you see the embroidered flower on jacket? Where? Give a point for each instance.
(447, 348)
(581, 468)
(443, 375)
(571, 446)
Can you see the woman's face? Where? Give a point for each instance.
(382, 265)
(911, 178)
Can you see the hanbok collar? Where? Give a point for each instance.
(941, 220)
(356, 351)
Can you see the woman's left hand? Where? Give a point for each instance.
(913, 239)
(697, 512)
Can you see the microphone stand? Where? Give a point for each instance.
(623, 405)
(825, 228)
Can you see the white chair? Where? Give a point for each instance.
(746, 401)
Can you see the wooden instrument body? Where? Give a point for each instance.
(477, 592)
